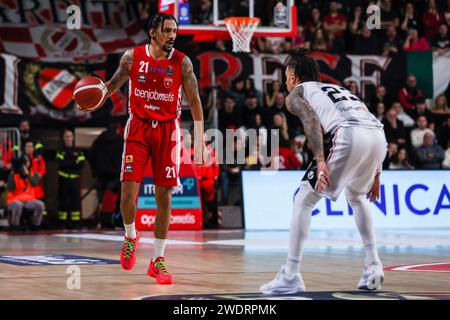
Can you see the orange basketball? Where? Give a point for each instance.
(89, 93)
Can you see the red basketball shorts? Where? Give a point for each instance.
(155, 140)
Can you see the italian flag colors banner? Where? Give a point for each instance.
(432, 71)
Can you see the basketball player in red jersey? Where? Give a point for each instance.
(157, 73)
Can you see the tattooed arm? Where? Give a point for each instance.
(297, 105)
(190, 87)
(121, 74)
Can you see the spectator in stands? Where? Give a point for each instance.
(271, 94)
(379, 96)
(304, 9)
(357, 22)
(443, 133)
(402, 115)
(105, 158)
(261, 131)
(446, 13)
(24, 128)
(410, 20)
(249, 87)
(441, 111)
(293, 121)
(391, 154)
(250, 109)
(418, 133)
(446, 162)
(409, 95)
(389, 17)
(394, 129)
(301, 151)
(320, 41)
(392, 43)
(415, 43)
(299, 41)
(285, 158)
(256, 157)
(229, 115)
(429, 155)
(431, 19)
(441, 42)
(202, 12)
(6, 151)
(401, 161)
(335, 23)
(380, 111)
(237, 92)
(146, 9)
(25, 135)
(366, 43)
(272, 45)
(38, 167)
(421, 109)
(280, 124)
(314, 23)
(352, 86)
(21, 183)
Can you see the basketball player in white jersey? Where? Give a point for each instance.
(350, 159)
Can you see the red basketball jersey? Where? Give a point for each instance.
(155, 86)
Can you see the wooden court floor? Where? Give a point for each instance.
(214, 262)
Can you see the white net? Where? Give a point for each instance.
(241, 30)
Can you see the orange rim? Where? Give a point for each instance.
(242, 20)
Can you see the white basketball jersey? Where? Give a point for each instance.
(337, 107)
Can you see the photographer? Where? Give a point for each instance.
(21, 194)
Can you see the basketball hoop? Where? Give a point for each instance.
(241, 30)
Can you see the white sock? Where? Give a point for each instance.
(130, 230)
(363, 219)
(160, 245)
(304, 203)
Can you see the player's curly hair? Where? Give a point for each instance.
(305, 68)
(157, 20)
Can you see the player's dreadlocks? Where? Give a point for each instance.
(305, 67)
(158, 19)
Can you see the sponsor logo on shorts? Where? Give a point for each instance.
(154, 95)
(170, 71)
(128, 168)
(168, 82)
(142, 78)
(128, 158)
(310, 175)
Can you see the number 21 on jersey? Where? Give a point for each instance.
(143, 66)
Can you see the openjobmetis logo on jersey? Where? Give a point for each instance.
(154, 95)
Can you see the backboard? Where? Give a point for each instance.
(205, 18)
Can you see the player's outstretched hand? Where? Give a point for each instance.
(323, 180)
(374, 192)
